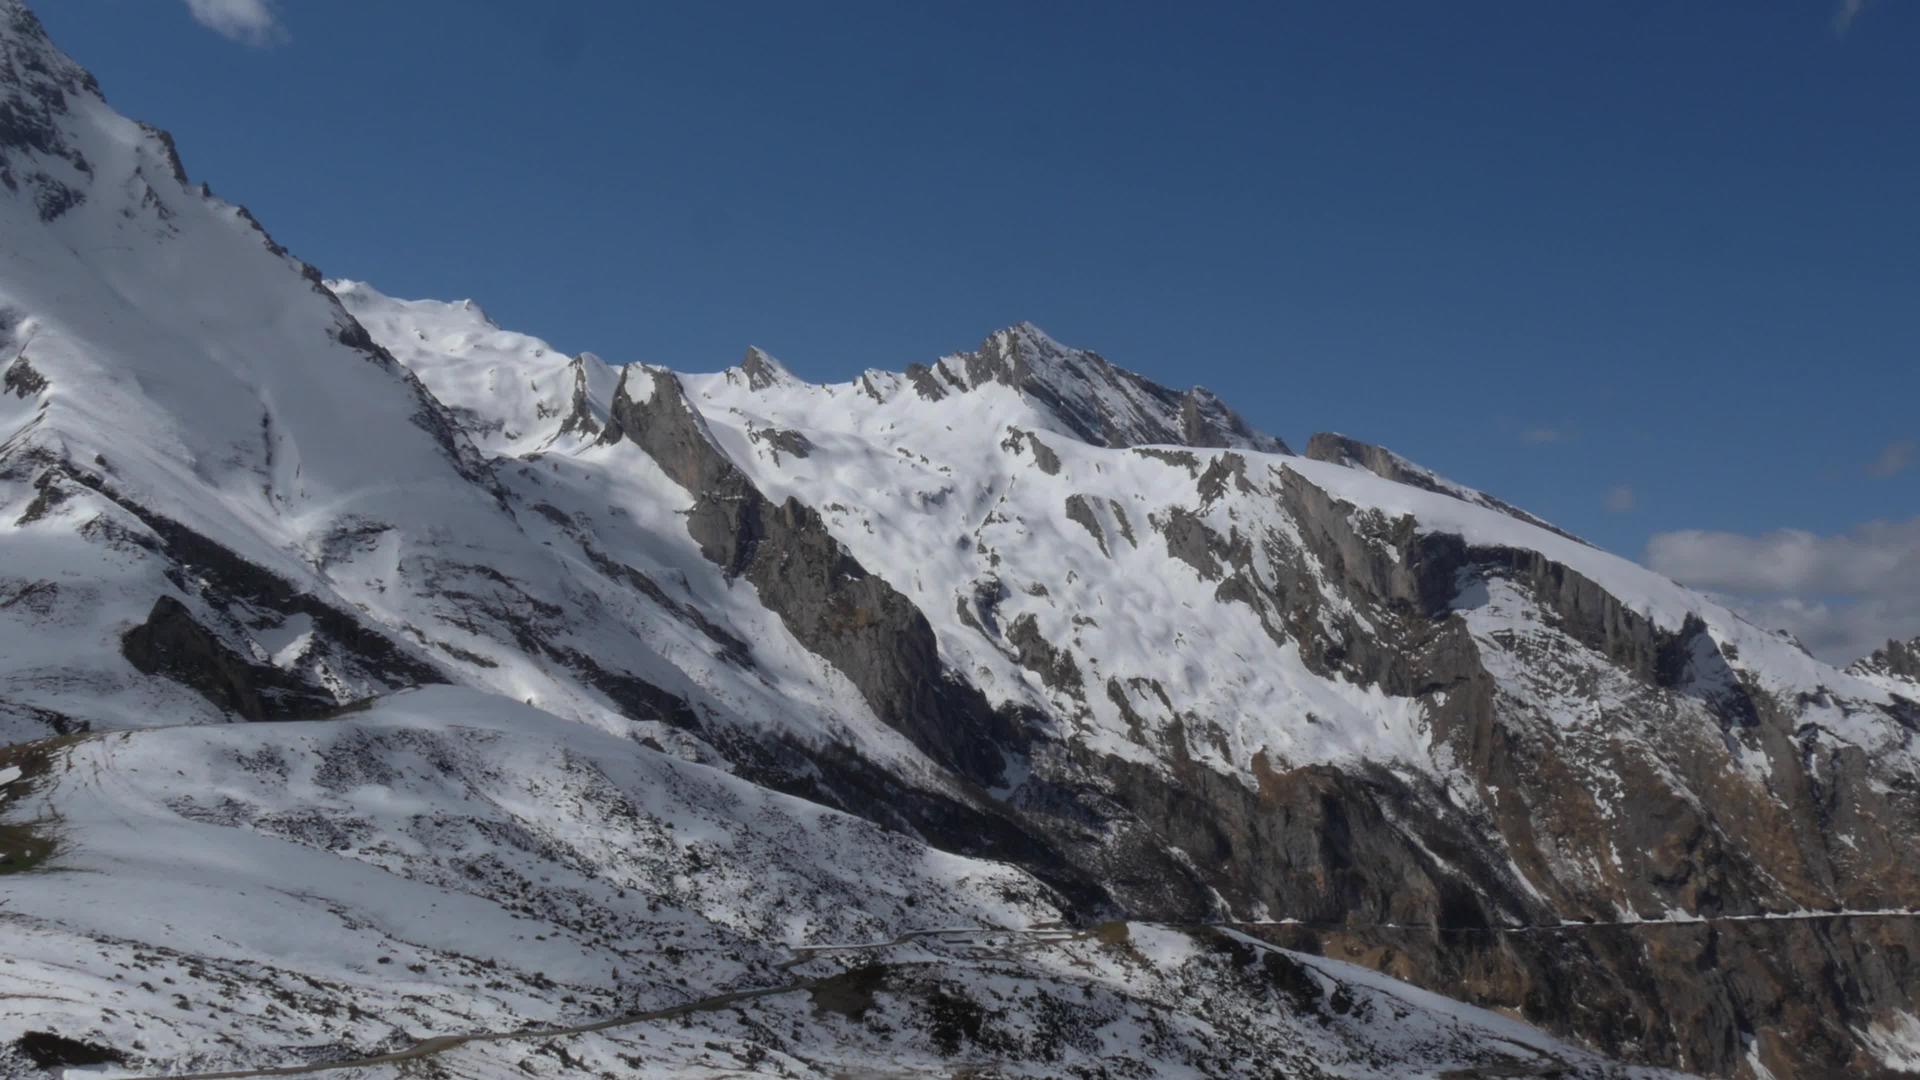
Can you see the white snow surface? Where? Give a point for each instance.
(920, 497)
(451, 863)
(947, 499)
(511, 392)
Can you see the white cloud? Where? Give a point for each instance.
(1837, 632)
(1848, 11)
(1842, 596)
(1620, 499)
(1877, 556)
(250, 21)
(1894, 458)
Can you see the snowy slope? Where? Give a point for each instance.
(1341, 450)
(189, 405)
(1074, 536)
(511, 393)
(1172, 607)
(450, 863)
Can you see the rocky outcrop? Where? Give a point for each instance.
(1044, 456)
(229, 588)
(21, 380)
(1897, 659)
(854, 620)
(782, 441)
(36, 81)
(581, 419)
(1080, 512)
(1056, 668)
(1706, 997)
(1097, 402)
(762, 371)
(173, 644)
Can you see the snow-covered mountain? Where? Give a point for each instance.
(1009, 714)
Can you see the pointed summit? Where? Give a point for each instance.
(1093, 399)
(761, 370)
(1895, 660)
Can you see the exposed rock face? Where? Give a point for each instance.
(1901, 660)
(761, 371)
(1712, 998)
(21, 380)
(856, 622)
(1043, 455)
(1527, 830)
(171, 643)
(36, 81)
(581, 419)
(1096, 401)
(1365, 853)
(1373, 851)
(782, 441)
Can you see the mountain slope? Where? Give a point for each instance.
(1581, 738)
(605, 692)
(449, 862)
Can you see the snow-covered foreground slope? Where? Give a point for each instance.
(587, 692)
(450, 863)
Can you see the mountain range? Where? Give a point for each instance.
(385, 690)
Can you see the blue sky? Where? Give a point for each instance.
(1650, 269)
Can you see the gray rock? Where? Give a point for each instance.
(1898, 659)
(1100, 403)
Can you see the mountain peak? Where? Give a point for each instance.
(761, 370)
(39, 86)
(1025, 336)
(1897, 659)
(1094, 399)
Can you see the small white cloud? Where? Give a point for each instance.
(250, 21)
(1894, 458)
(1842, 596)
(1837, 631)
(1620, 499)
(1848, 11)
(1876, 557)
(1542, 435)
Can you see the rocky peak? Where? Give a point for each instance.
(36, 83)
(1898, 659)
(760, 371)
(1093, 399)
